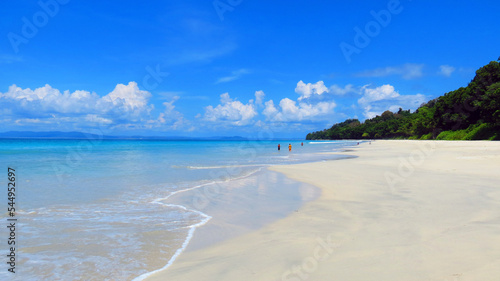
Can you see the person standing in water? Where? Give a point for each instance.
(289, 147)
(279, 147)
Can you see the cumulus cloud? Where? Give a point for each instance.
(314, 103)
(270, 111)
(126, 104)
(231, 111)
(292, 111)
(128, 101)
(47, 100)
(259, 97)
(406, 71)
(128, 96)
(446, 70)
(170, 118)
(376, 94)
(307, 90)
(376, 100)
(318, 90)
(125, 99)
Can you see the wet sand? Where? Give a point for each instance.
(402, 210)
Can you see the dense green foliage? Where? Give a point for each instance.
(469, 113)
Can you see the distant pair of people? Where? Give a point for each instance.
(289, 146)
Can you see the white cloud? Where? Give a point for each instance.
(124, 99)
(307, 90)
(127, 100)
(291, 111)
(259, 97)
(313, 104)
(234, 76)
(318, 90)
(377, 100)
(376, 94)
(47, 99)
(289, 108)
(407, 71)
(126, 105)
(171, 117)
(446, 70)
(234, 112)
(29, 120)
(270, 110)
(369, 113)
(231, 111)
(94, 118)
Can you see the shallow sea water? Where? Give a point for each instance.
(104, 209)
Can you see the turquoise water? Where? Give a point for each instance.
(95, 208)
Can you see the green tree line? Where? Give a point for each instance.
(468, 113)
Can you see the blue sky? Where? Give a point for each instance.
(232, 67)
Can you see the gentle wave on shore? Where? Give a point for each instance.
(103, 210)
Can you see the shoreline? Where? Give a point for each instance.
(220, 225)
(192, 228)
(374, 220)
(184, 199)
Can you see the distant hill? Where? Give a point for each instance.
(468, 113)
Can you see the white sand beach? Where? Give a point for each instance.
(401, 210)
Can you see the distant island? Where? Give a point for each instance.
(470, 113)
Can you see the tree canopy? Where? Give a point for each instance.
(471, 112)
